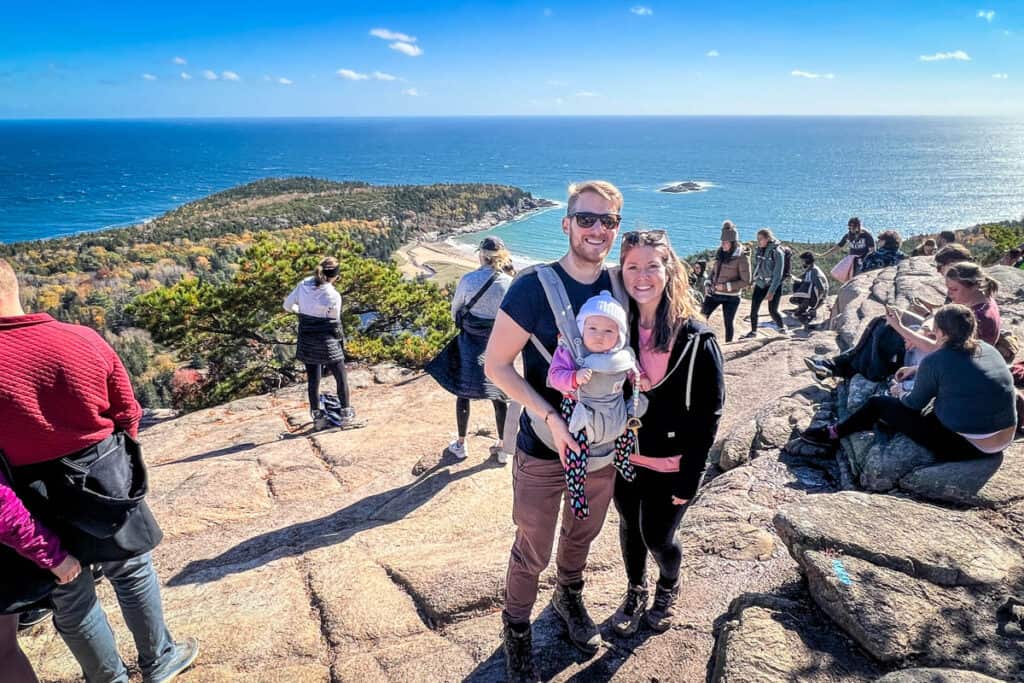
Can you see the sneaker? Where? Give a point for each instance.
(567, 602)
(518, 646)
(320, 421)
(819, 436)
(822, 369)
(185, 653)
(626, 619)
(349, 419)
(660, 616)
(458, 450)
(749, 335)
(499, 453)
(30, 618)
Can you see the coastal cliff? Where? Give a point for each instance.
(371, 556)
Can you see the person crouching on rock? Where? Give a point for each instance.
(591, 386)
(321, 341)
(729, 277)
(68, 405)
(683, 361)
(974, 414)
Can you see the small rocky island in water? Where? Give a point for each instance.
(686, 186)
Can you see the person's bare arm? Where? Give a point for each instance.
(894, 317)
(507, 340)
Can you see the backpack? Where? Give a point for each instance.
(787, 262)
(1008, 345)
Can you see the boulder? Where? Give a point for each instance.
(941, 546)
(936, 676)
(993, 482)
(768, 639)
(888, 459)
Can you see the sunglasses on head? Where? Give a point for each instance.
(586, 219)
(634, 237)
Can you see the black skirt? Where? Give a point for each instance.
(320, 341)
(459, 368)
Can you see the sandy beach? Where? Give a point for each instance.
(439, 261)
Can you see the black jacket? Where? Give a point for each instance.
(320, 341)
(686, 405)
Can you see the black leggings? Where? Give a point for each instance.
(924, 429)
(729, 306)
(462, 416)
(648, 521)
(773, 306)
(313, 374)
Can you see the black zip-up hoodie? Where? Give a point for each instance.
(686, 405)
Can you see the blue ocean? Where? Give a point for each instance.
(803, 177)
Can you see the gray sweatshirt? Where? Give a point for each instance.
(470, 284)
(973, 392)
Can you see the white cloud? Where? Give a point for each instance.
(1000, 77)
(230, 76)
(958, 55)
(350, 75)
(407, 48)
(210, 75)
(642, 11)
(586, 93)
(148, 77)
(186, 76)
(284, 81)
(385, 34)
(411, 92)
(179, 60)
(810, 74)
(381, 76)
(986, 14)
(711, 53)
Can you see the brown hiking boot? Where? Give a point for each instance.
(517, 642)
(626, 619)
(662, 612)
(567, 602)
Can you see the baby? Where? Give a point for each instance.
(592, 403)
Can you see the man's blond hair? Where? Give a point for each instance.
(602, 188)
(8, 280)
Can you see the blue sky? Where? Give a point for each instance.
(140, 59)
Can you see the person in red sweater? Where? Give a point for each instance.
(62, 390)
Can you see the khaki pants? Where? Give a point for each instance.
(538, 488)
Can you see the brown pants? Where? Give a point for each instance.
(538, 488)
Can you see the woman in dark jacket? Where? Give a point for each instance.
(681, 358)
(320, 339)
(729, 277)
(474, 307)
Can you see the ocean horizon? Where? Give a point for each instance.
(801, 176)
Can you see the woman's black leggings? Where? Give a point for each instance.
(924, 429)
(648, 521)
(462, 416)
(773, 306)
(729, 305)
(313, 374)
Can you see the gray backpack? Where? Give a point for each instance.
(565, 321)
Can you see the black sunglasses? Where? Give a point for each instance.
(634, 237)
(586, 219)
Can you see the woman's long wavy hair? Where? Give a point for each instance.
(499, 259)
(972, 275)
(677, 304)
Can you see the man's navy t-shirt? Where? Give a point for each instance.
(526, 303)
(860, 245)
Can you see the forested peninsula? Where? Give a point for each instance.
(191, 300)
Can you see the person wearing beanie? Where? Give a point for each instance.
(592, 402)
(729, 277)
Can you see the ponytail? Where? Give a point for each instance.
(326, 270)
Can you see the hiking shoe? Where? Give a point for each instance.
(567, 602)
(822, 369)
(517, 644)
(458, 450)
(349, 419)
(626, 619)
(749, 335)
(819, 436)
(185, 653)
(662, 612)
(320, 421)
(30, 618)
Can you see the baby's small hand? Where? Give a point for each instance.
(644, 384)
(583, 376)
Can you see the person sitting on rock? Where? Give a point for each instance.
(592, 402)
(926, 248)
(860, 242)
(1013, 258)
(945, 238)
(810, 290)
(974, 413)
(887, 254)
(884, 342)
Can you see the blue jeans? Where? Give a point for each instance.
(84, 627)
